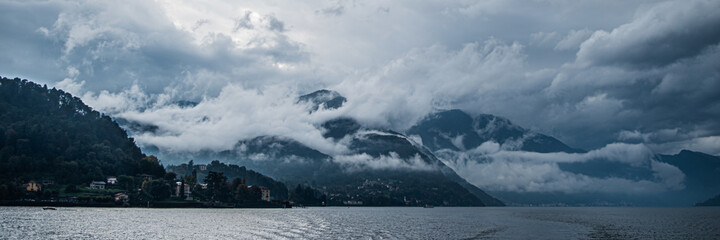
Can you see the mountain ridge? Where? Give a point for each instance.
(456, 130)
(456, 136)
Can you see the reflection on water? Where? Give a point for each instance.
(360, 223)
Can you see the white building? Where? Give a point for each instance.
(187, 190)
(97, 185)
(112, 180)
(264, 194)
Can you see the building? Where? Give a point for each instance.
(121, 197)
(46, 182)
(187, 190)
(202, 167)
(32, 186)
(353, 202)
(112, 180)
(97, 185)
(146, 177)
(264, 194)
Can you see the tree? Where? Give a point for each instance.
(216, 186)
(307, 196)
(242, 193)
(48, 133)
(170, 176)
(71, 188)
(182, 188)
(126, 182)
(157, 189)
(151, 165)
(191, 166)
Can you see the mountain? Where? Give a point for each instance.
(456, 137)
(380, 167)
(323, 98)
(458, 131)
(417, 178)
(49, 134)
(715, 201)
(280, 158)
(701, 178)
(702, 174)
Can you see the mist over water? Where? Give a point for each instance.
(361, 223)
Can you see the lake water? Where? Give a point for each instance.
(361, 223)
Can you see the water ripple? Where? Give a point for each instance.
(360, 223)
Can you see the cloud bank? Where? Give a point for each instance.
(573, 72)
(489, 167)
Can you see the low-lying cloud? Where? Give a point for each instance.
(489, 167)
(219, 123)
(359, 162)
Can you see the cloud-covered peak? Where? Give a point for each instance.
(458, 131)
(325, 99)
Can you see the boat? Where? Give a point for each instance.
(49, 208)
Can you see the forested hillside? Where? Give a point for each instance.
(47, 134)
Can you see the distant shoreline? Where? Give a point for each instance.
(113, 205)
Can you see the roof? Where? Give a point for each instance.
(97, 183)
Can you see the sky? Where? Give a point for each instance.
(591, 73)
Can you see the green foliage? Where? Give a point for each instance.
(126, 182)
(216, 187)
(10, 190)
(170, 176)
(157, 189)
(48, 133)
(71, 188)
(244, 194)
(278, 190)
(307, 196)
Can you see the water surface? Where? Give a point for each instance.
(361, 223)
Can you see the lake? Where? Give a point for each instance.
(361, 223)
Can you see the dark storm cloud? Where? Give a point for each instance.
(659, 36)
(655, 73)
(590, 72)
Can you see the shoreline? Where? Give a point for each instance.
(151, 205)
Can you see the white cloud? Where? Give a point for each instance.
(71, 86)
(573, 39)
(118, 103)
(499, 170)
(543, 38)
(707, 145)
(364, 161)
(219, 123)
(411, 86)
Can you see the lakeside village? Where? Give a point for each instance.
(144, 190)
